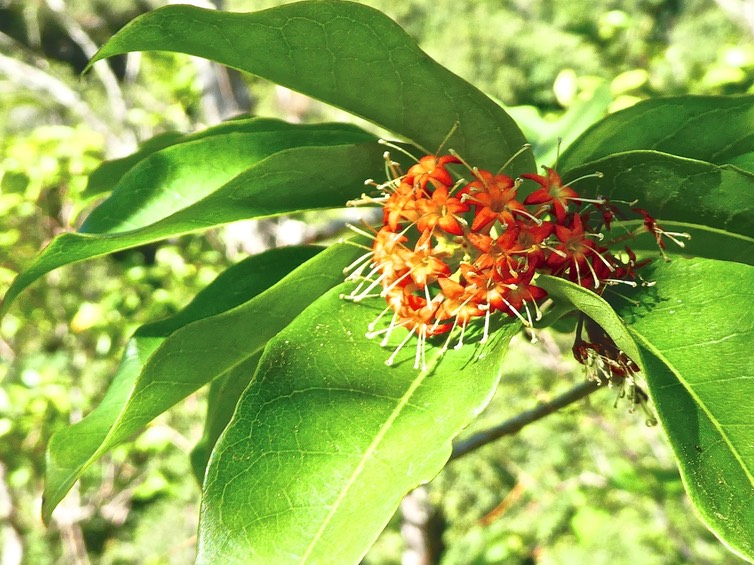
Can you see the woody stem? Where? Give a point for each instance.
(515, 424)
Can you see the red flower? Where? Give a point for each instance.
(552, 192)
(500, 253)
(430, 169)
(400, 206)
(442, 210)
(494, 198)
(577, 255)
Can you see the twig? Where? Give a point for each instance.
(89, 48)
(37, 80)
(515, 424)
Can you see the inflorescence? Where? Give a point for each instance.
(451, 250)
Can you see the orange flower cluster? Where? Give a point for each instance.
(450, 251)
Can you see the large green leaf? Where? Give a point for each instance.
(181, 175)
(327, 439)
(692, 334)
(220, 333)
(221, 403)
(716, 129)
(695, 329)
(291, 180)
(348, 55)
(715, 204)
(108, 173)
(586, 301)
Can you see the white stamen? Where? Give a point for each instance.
(594, 274)
(390, 360)
(361, 263)
(459, 345)
(486, 333)
(390, 329)
(398, 148)
(360, 231)
(516, 312)
(524, 147)
(373, 323)
(605, 261)
(420, 358)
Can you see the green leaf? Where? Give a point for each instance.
(291, 180)
(592, 305)
(174, 178)
(348, 55)
(219, 333)
(326, 439)
(108, 173)
(695, 329)
(714, 204)
(716, 129)
(548, 135)
(221, 403)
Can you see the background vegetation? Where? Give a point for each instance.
(591, 483)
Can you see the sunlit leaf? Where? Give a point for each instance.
(179, 176)
(695, 330)
(716, 129)
(327, 439)
(593, 306)
(714, 204)
(291, 180)
(219, 333)
(107, 174)
(221, 403)
(348, 55)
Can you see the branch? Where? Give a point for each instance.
(513, 425)
(89, 48)
(37, 80)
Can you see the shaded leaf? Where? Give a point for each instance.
(695, 329)
(715, 204)
(549, 136)
(289, 181)
(327, 439)
(174, 178)
(348, 55)
(716, 129)
(221, 403)
(108, 173)
(219, 333)
(592, 305)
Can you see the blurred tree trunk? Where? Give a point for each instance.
(422, 528)
(224, 94)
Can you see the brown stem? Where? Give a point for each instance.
(513, 425)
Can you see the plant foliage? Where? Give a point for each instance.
(310, 437)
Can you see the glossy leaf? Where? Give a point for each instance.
(348, 55)
(327, 439)
(221, 403)
(292, 180)
(174, 178)
(715, 204)
(591, 304)
(716, 129)
(219, 333)
(695, 329)
(549, 136)
(690, 333)
(108, 173)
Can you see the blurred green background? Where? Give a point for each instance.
(590, 484)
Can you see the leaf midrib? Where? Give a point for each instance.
(686, 385)
(403, 402)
